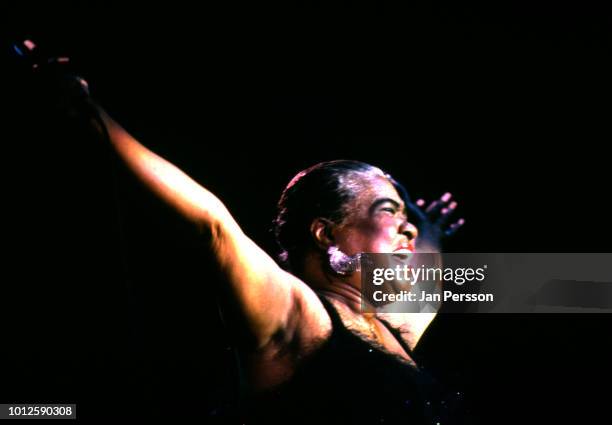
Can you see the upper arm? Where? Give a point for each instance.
(276, 306)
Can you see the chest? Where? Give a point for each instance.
(377, 333)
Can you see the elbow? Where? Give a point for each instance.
(216, 235)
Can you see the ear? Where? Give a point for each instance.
(321, 230)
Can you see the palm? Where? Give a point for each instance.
(434, 222)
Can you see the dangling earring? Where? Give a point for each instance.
(341, 263)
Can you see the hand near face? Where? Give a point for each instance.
(434, 222)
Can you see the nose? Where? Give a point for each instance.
(409, 230)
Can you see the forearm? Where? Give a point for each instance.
(165, 180)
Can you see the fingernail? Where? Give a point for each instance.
(444, 211)
(29, 44)
(452, 205)
(446, 197)
(420, 202)
(461, 221)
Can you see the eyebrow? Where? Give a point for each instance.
(381, 201)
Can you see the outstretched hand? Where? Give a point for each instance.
(54, 78)
(434, 222)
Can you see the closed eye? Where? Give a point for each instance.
(387, 205)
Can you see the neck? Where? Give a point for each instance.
(341, 288)
(345, 293)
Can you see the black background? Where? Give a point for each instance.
(110, 298)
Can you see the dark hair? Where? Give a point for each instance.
(323, 190)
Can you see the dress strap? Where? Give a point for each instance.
(331, 310)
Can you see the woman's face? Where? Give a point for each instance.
(376, 222)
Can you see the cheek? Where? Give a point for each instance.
(368, 236)
(383, 235)
(386, 236)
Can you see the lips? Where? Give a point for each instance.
(406, 247)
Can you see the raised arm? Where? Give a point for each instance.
(274, 304)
